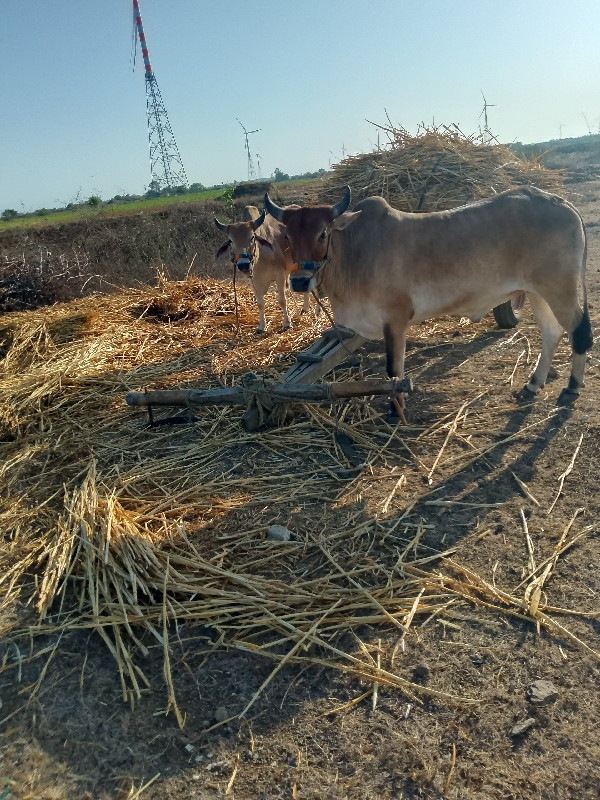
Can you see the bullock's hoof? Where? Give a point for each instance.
(525, 395)
(287, 327)
(567, 397)
(259, 331)
(391, 416)
(395, 413)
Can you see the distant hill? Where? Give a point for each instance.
(580, 155)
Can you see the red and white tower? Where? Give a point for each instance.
(166, 166)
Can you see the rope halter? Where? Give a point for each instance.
(245, 260)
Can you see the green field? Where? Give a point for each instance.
(108, 210)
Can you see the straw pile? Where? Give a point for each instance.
(112, 527)
(438, 169)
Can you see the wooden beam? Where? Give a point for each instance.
(275, 392)
(330, 349)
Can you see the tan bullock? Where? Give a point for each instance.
(384, 269)
(264, 258)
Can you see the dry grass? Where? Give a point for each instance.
(62, 261)
(113, 527)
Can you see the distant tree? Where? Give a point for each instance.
(153, 189)
(94, 200)
(196, 187)
(9, 213)
(278, 175)
(123, 198)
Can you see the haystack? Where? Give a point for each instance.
(438, 169)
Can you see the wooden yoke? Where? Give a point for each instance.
(330, 349)
(268, 398)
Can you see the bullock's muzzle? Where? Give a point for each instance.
(302, 278)
(244, 264)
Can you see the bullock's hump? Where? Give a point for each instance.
(373, 206)
(250, 213)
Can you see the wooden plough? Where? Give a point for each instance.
(268, 400)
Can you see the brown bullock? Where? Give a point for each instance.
(264, 258)
(384, 269)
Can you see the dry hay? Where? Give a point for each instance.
(114, 527)
(438, 169)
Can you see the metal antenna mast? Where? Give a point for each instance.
(251, 173)
(166, 166)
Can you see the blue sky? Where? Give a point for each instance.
(306, 73)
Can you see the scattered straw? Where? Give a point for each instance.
(451, 770)
(133, 532)
(136, 794)
(525, 489)
(562, 477)
(233, 776)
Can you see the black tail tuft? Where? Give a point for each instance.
(582, 335)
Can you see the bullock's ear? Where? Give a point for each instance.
(223, 249)
(339, 223)
(264, 242)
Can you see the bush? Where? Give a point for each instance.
(27, 283)
(9, 213)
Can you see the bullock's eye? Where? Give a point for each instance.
(323, 236)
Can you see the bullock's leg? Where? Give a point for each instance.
(260, 284)
(395, 348)
(577, 322)
(551, 331)
(581, 342)
(281, 282)
(306, 303)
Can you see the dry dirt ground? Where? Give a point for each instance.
(77, 738)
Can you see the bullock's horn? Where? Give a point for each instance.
(256, 223)
(342, 206)
(221, 226)
(274, 211)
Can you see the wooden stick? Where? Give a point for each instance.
(277, 392)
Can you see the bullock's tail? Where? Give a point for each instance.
(582, 336)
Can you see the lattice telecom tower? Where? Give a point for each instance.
(166, 166)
